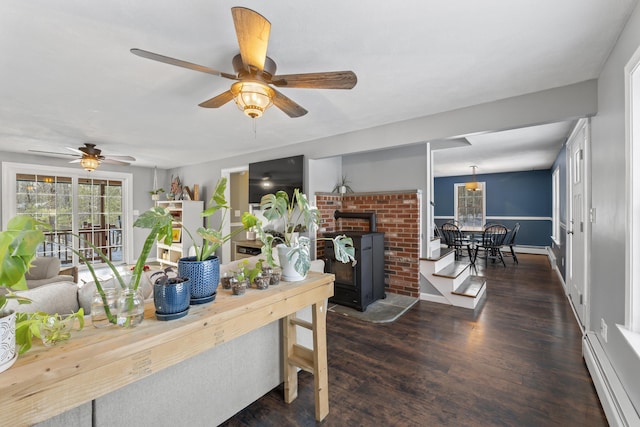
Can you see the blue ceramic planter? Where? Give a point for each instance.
(172, 300)
(203, 275)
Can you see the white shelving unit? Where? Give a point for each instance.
(187, 214)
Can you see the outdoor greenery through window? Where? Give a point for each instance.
(91, 208)
(469, 206)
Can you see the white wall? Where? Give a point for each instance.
(608, 198)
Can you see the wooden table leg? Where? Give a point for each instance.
(313, 361)
(321, 374)
(290, 368)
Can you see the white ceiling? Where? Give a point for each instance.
(68, 76)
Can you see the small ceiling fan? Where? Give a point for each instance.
(90, 157)
(255, 71)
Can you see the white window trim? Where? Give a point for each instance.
(632, 147)
(555, 218)
(10, 170)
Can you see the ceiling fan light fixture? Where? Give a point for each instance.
(252, 97)
(89, 163)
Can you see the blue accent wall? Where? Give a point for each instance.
(510, 194)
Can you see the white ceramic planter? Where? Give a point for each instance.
(8, 354)
(289, 274)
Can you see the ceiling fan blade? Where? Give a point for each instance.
(217, 101)
(53, 153)
(114, 162)
(328, 80)
(75, 150)
(252, 30)
(75, 161)
(287, 105)
(121, 158)
(180, 63)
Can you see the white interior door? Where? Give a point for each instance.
(576, 273)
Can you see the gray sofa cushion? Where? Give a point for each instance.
(87, 290)
(58, 297)
(45, 270)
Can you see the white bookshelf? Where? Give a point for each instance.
(187, 214)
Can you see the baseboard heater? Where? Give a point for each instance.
(615, 402)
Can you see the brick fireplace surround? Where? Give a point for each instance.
(398, 217)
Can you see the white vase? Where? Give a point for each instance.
(289, 274)
(8, 354)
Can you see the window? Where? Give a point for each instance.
(469, 205)
(72, 202)
(555, 219)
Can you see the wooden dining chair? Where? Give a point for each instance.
(511, 241)
(454, 238)
(493, 239)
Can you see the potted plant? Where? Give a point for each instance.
(203, 269)
(130, 311)
(293, 250)
(171, 294)
(155, 194)
(342, 186)
(18, 244)
(50, 328)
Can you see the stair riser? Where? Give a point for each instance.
(466, 302)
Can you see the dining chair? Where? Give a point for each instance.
(511, 241)
(493, 239)
(454, 238)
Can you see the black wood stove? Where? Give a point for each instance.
(360, 285)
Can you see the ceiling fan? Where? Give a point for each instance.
(255, 71)
(90, 157)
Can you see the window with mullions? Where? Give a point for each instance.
(49, 199)
(99, 216)
(469, 206)
(72, 204)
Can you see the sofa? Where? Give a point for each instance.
(45, 270)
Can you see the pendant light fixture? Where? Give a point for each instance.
(473, 185)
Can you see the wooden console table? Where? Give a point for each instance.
(48, 381)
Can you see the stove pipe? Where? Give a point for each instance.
(371, 216)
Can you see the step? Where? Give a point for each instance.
(438, 255)
(471, 287)
(452, 270)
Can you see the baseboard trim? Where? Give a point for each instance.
(613, 398)
(434, 298)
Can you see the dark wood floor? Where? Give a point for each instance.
(515, 361)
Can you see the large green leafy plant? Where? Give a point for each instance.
(295, 213)
(18, 244)
(212, 236)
